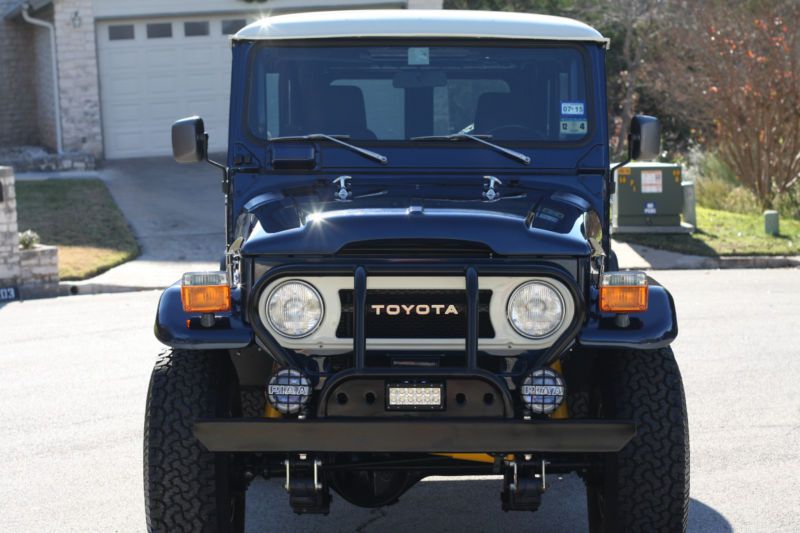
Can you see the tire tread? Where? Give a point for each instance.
(652, 472)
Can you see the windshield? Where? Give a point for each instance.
(396, 93)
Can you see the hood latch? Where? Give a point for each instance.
(489, 191)
(344, 193)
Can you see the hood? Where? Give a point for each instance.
(317, 219)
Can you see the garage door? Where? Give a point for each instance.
(153, 72)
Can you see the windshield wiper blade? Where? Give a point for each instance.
(337, 139)
(513, 154)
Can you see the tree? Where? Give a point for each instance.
(634, 23)
(736, 67)
(631, 25)
(550, 7)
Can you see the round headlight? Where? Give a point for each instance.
(535, 309)
(294, 309)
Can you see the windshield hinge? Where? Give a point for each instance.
(489, 191)
(343, 193)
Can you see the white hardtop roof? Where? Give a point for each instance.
(419, 23)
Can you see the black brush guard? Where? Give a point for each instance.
(415, 434)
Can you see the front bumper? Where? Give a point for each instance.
(414, 436)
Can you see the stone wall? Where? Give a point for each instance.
(17, 103)
(77, 77)
(33, 272)
(38, 272)
(9, 236)
(425, 4)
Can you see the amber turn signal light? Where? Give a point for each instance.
(205, 292)
(623, 292)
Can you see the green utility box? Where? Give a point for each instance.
(648, 199)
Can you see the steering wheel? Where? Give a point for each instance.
(523, 132)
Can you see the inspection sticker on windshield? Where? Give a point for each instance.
(419, 56)
(573, 109)
(573, 126)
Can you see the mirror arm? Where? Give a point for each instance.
(628, 157)
(220, 166)
(225, 170)
(620, 164)
(226, 189)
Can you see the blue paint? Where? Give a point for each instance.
(428, 191)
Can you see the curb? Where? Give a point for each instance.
(72, 288)
(758, 261)
(69, 288)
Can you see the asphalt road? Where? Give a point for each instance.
(74, 373)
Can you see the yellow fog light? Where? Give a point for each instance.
(205, 292)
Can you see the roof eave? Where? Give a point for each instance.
(16, 10)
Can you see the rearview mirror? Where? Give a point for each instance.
(419, 79)
(189, 140)
(644, 139)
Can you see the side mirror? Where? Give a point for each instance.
(644, 139)
(189, 140)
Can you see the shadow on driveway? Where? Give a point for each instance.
(446, 504)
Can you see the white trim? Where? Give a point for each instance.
(506, 341)
(420, 23)
(115, 9)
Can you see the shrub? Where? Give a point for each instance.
(716, 186)
(28, 239)
(788, 204)
(741, 200)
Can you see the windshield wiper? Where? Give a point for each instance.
(513, 154)
(335, 139)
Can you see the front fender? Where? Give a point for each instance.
(655, 328)
(178, 329)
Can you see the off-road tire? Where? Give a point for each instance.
(186, 487)
(644, 487)
(253, 402)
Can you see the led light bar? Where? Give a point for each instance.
(415, 396)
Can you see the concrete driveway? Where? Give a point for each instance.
(177, 214)
(73, 396)
(176, 211)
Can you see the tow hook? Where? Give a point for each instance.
(308, 492)
(524, 482)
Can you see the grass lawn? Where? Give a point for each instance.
(80, 217)
(724, 233)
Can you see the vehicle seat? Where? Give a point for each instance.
(345, 113)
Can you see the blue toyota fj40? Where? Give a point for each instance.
(418, 280)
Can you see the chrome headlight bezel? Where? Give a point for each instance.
(266, 298)
(553, 330)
